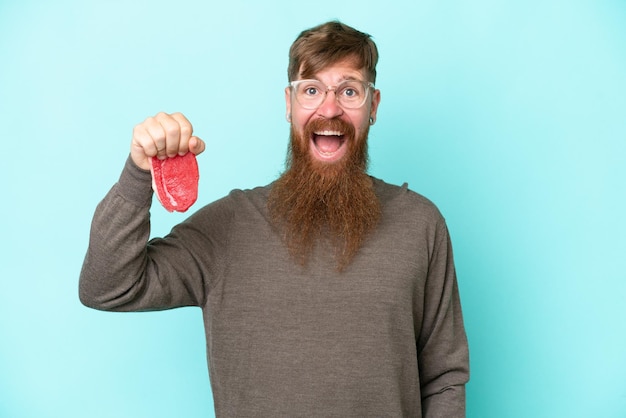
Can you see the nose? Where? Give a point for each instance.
(329, 107)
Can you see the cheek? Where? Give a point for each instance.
(299, 120)
(361, 122)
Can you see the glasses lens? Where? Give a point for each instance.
(351, 94)
(309, 93)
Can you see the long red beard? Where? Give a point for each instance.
(331, 203)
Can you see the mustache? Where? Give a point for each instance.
(334, 124)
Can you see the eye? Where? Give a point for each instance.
(310, 91)
(351, 91)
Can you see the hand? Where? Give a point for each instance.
(163, 135)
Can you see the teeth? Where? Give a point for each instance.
(329, 133)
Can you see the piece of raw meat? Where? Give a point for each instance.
(175, 181)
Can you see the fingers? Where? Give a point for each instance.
(184, 130)
(163, 135)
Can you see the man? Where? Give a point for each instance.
(325, 293)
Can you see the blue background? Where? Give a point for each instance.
(510, 116)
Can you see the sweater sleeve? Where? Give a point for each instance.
(443, 353)
(122, 270)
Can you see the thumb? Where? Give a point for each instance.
(196, 145)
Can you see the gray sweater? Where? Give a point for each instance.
(384, 338)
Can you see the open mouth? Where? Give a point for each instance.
(328, 145)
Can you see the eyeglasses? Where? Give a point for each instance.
(350, 94)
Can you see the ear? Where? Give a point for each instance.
(288, 104)
(375, 103)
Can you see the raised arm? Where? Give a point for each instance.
(122, 270)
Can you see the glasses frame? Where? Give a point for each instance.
(367, 84)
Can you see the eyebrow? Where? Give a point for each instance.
(349, 78)
(343, 78)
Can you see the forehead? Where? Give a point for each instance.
(336, 72)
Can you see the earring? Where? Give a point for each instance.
(288, 117)
(371, 120)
